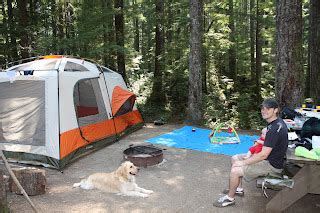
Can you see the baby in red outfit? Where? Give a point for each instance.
(258, 144)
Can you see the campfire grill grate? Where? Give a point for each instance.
(143, 156)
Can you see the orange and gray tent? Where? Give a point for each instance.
(54, 109)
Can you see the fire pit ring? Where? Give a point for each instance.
(143, 156)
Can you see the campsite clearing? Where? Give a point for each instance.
(188, 181)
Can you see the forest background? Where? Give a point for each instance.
(200, 61)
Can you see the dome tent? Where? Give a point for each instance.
(53, 109)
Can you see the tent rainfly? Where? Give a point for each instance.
(56, 108)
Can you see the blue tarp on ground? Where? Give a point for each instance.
(199, 140)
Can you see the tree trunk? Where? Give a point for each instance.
(307, 92)
(289, 60)
(177, 33)
(119, 27)
(232, 49)
(61, 25)
(205, 55)
(258, 54)
(157, 95)
(32, 180)
(4, 55)
(146, 46)
(252, 43)
(13, 49)
(23, 23)
(108, 35)
(33, 24)
(3, 193)
(53, 24)
(314, 47)
(70, 32)
(194, 110)
(169, 33)
(136, 41)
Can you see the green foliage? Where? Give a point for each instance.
(218, 103)
(141, 85)
(86, 29)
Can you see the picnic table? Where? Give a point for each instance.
(305, 181)
(307, 112)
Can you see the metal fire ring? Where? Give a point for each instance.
(143, 156)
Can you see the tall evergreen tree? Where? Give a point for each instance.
(314, 44)
(54, 27)
(258, 53)
(157, 95)
(252, 41)
(108, 34)
(119, 27)
(289, 61)
(232, 49)
(61, 26)
(22, 28)
(12, 33)
(194, 111)
(136, 43)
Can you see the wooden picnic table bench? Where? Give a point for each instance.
(307, 180)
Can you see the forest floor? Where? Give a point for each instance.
(187, 181)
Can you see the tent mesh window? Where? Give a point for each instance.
(22, 112)
(104, 69)
(126, 107)
(88, 102)
(74, 67)
(37, 65)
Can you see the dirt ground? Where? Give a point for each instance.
(187, 181)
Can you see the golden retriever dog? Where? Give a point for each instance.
(122, 181)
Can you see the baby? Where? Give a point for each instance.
(258, 144)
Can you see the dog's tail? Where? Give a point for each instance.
(84, 184)
(76, 185)
(79, 184)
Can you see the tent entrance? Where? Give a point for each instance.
(22, 112)
(90, 108)
(122, 101)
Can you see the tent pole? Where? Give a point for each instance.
(112, 116)
(16, 181)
